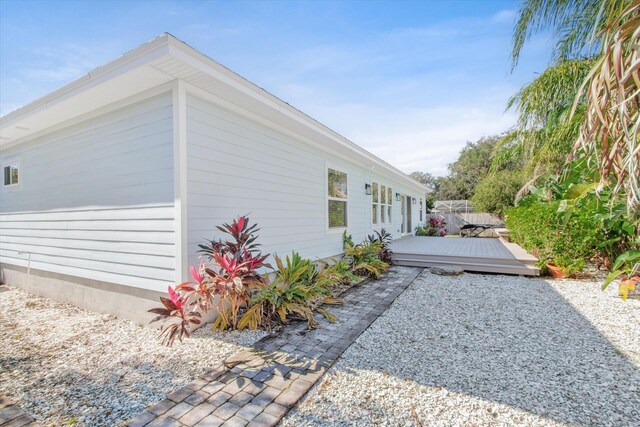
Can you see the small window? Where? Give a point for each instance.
(11, 174)
(337, 198)
(421, 209)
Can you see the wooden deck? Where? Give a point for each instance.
(472, 254)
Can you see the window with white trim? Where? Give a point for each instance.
(337, 198)
(381, 200)
(10, 174)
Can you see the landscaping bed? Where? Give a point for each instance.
(488, 350)
(65, 365)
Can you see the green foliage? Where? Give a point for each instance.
(297, 291)
(425, 178)
(573, 24)
(537, 227)
(364, 258)
(384, 238)
(465, 173)
(434, 227)
(566, 219)
(627, 263)
(546, 131)
(339, 272)
(497, 191)
(569, 267)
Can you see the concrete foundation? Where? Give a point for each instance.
(123, 301)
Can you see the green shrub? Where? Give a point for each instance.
(537, 227)
(497, 191)
(338, 272)
(296, 291)
(364, 258)
(569, 267)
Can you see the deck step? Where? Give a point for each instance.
(528, 261)
(484, 267)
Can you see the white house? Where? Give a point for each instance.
(110, 182)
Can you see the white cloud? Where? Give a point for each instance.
(423, 139)
(504, 16)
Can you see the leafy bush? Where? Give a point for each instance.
(338, 272)
(383, 237)
(231, 274)
(497, 191)
(175, 307)
(245, 298)
(569, 267)
(566, 219)
(538, 228)
(297, 291)
(435, 227)
(365, 257)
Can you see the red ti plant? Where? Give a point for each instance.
(231, 275)
(233, 272)
(175, 307)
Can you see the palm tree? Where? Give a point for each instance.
(546, 130)
(610, 30)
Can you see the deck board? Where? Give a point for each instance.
(472, 254)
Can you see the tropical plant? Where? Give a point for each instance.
(177, 311)
(384, 238)
(364, 258)
(569, 267)
(296, 291)
(435, 227)
(230, 276)
(544, 135)
(566, 218)
(627, 265)
(338, 272)
(611, 130)
(610, 31)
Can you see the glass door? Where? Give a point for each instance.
(403, 216)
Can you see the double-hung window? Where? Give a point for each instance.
(10, 172)
(337, 198)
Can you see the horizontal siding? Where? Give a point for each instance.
(96, 199)
(236, 167)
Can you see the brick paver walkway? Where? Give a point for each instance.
(257, 387)
(12, 416)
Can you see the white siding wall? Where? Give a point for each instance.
(236, 167)
(95, 200)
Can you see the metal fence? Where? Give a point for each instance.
(455, 221)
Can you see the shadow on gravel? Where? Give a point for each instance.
(529, 349)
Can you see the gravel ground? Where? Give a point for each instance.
(64, 365)
(479, 350)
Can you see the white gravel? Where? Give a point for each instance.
(479, 350)
(64, 365)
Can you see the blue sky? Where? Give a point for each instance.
(409, 81)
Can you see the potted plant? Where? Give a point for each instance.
(554, 270)
(562, 267)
